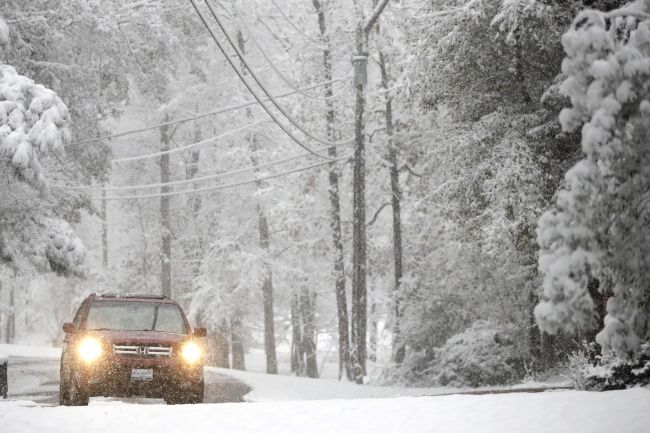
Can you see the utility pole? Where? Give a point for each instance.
(165, 220)
(104, 215)
(359, 290)
(359, 248)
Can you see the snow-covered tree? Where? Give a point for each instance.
(34, 122)
(598, 229)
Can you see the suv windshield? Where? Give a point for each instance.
(135, 316)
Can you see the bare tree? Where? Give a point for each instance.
(263, 227)
(335, 205)
(396, 198)
(307, 305)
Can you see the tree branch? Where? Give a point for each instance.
(410, 170)
(375, 15)
(374, 218)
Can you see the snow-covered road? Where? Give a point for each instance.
(34, 376)
(551, 412)
(285, 404)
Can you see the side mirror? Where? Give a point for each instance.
(69, 328)
(200, 332)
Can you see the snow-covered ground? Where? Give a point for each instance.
(549, 412)
(25, 351)
(285, 404)
(268, 387)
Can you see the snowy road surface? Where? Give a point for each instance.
(37, 379)
(285, 404)
(549, 412)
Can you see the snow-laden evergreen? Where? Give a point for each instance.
(33, 120)
(599, 228)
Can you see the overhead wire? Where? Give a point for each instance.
(223, 186)
(243, 59)
(248, 86)
(200, 116)
(262, 51)
(295, 26)
(186, 181)
(188, 146)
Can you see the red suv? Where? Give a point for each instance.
(131, 345)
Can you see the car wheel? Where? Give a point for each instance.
(78, 394)
(199, 393)
(64, 384)
(186, 396)
(196, 394)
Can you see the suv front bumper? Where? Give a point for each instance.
(112, 377)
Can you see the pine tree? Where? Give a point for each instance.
(599, 226)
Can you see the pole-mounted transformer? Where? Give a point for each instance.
(360, 64)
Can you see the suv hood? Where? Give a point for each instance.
(140, 337)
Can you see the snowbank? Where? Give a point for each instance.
(269, 387)
(551, 412)
(23, 351)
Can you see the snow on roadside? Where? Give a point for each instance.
(270, 387)
(24, 351)
(550, 412)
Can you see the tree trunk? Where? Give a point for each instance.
(359, 295)
(165, 220)
(534, 335)
(267, 286)
(11, 315)
(307, 305)
(396, 194)
(237, 343)
(374, 331)
(193, 169)
(267, 295)
(600, 295)
(296, 336)
(222, 346)
(0, 308)
(335, 207)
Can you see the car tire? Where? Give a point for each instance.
(78, 393)
(71, 392)
(198, 394)
(64, 385)
(193, 395)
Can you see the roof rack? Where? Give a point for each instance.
(130, 295)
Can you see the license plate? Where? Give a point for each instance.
(142, 374)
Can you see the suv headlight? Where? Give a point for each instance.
(89, 349)
(191, 352)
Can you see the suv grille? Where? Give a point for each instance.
(142, 350)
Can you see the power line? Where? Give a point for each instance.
(316, 41)
(242, 57)
(224, 186)
(188, 146)
(202, 115)
(186, 181)
(270, 62)
(248, 86)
